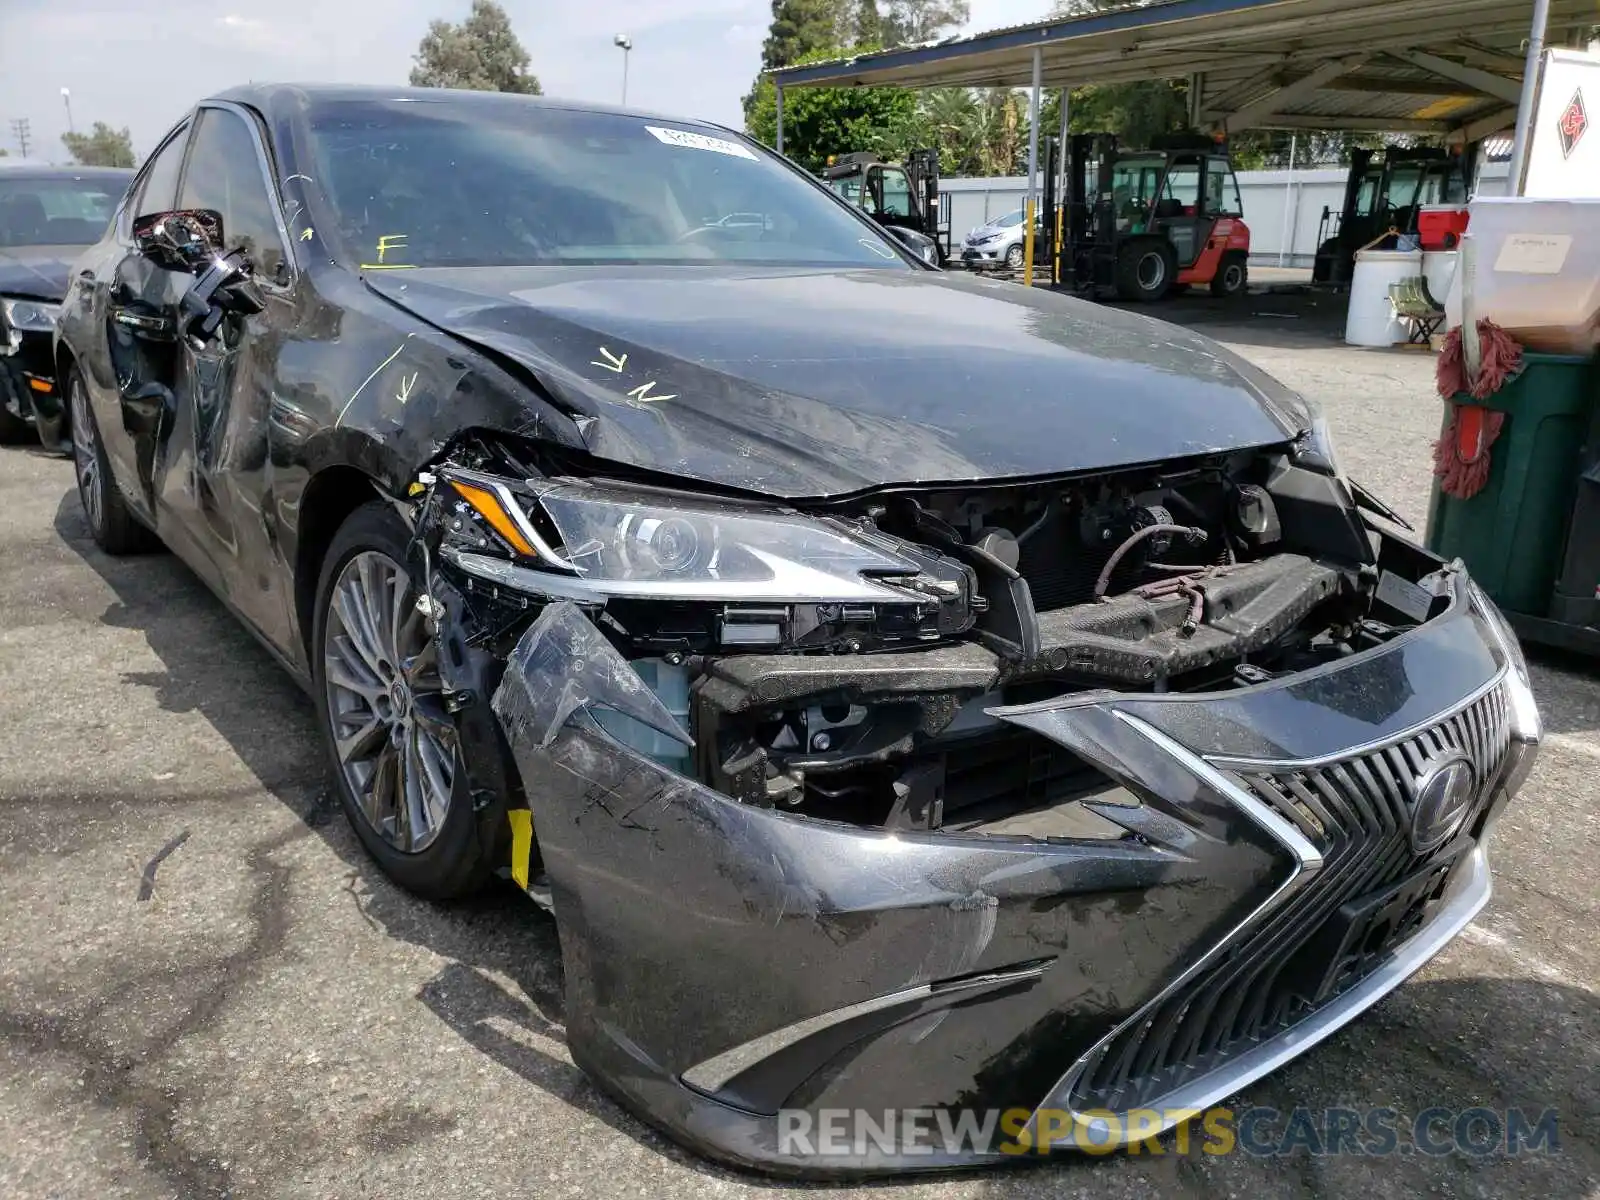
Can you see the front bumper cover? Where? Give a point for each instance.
(728, 964)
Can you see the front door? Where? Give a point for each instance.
(1179, 211)
(212, 492)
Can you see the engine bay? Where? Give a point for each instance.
(873, 706)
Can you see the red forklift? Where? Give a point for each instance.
(1146, 223)
(904, 196)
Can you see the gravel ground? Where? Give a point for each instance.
(278, 1021)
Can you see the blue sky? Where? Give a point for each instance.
(140, 63)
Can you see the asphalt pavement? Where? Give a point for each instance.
(267, 1017)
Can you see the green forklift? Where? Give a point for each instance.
(1384, 190)
(903, 196)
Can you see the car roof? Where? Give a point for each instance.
(273, 97)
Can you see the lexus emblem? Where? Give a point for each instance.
(1446, 789)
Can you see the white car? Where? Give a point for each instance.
(997, 244)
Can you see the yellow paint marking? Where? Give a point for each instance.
(305, 234)
(390, 241)
(521, 844)
(641, 394)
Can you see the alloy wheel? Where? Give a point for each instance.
(86, 457)
(394, 739)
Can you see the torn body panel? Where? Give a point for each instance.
(726, 959)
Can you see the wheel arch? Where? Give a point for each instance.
(66, 360)
(330, 496)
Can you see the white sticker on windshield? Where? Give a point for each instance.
(700, 141)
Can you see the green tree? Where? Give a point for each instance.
(869, 28)
(800, 28)
(103, 147)
(818, 122)
(481, 54)
(909, 21)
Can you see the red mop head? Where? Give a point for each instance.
(1461, 456)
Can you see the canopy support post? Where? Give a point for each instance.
(1033, 167)
(1530, 96)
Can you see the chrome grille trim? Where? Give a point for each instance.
(1216, 1027)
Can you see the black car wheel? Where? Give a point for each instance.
(395, 752)
(1146, 269)
(1014, 257)
(111, 522)
(1232, 277)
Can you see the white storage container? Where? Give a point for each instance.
(1371, 320)
(1535, 271)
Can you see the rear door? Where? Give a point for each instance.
(217, 473)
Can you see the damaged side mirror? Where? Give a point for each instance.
(186, 239)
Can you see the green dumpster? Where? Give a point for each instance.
(1513, 534)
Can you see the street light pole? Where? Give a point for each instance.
(625, 43)
(66, 98)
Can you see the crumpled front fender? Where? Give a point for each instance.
(724, 960)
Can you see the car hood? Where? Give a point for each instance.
(36, 271)
(803, 383)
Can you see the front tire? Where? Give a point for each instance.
(1014, 258)
(395, 752)
(1146, 270)
(1232, 277)
(111, 522)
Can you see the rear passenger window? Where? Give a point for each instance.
(160, 190)
(224, 173)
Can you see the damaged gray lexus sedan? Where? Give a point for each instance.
(908, 692)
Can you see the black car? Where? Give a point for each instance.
(910, 693)
(47, 216)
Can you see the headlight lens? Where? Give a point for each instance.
(626, 545)
(31, 316)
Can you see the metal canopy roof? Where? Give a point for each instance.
(1401, 66)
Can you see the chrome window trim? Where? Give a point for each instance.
(252, 122)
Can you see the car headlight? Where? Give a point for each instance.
(748, 576)
(31, 316)
(606, 542)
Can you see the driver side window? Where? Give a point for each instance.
(224, 173)
(160, 189)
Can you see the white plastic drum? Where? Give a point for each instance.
(1371, 320)
(1439, 269)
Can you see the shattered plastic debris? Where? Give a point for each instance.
(563, 666)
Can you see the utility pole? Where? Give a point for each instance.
(66, 98)
(19, 129)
